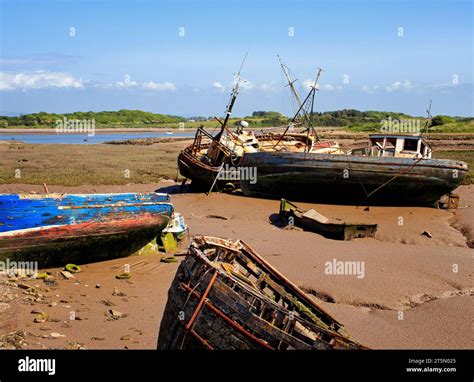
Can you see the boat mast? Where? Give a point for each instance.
(290, 82)
(292, 120)
(428, 122)
(315, 87)
(230, 105)
(304, 104)
(293, 90)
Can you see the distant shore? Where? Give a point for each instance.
(99, 130)
(333, 132)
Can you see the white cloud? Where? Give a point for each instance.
(149, 85)
(331, 88)
(218, 86)
(244, 84)
(309, 83)
(102, 85)
(398, 85)
(45, 79)
(369, 89)
(443, 85)
(38, 80)
(165, 86)
(270, 87)
(126, 84)
(405, 85)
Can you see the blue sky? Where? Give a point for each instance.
(179, 57)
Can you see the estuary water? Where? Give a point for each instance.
(98, 137)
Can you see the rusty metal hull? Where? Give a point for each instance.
(55, 229)
(226, 297)
(347, 179)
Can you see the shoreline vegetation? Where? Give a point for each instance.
(348, 119)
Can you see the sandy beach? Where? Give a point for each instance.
(416, 291)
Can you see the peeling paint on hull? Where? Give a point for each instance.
(344, 178)
(55, 229)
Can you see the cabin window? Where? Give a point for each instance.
(410, 144)
(390, 143)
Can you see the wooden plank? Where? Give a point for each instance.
(238, 309)
(313, 214)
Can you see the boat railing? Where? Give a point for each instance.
(198, 144)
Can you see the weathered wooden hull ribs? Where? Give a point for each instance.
(225, 296)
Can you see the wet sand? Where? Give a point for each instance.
(417, 292)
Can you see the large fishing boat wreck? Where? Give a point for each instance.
(394, 169)
(225, 296)
(214, 161)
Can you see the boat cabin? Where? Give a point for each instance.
(399, 145)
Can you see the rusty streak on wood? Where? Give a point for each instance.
(201, 302)
(201, 340)
(229, 321)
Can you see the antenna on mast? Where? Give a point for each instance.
(428, 120)
(304, 107)
(233, 97)
(292, 88)
(308, 104)
(314, 89)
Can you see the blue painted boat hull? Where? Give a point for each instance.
(60, 228)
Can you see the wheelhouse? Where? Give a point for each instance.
(404, 146)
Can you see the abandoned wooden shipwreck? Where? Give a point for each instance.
(210, 164)
(60, 228)
(396, 169)
(225, 296)
(214, 161)
(392, 169)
